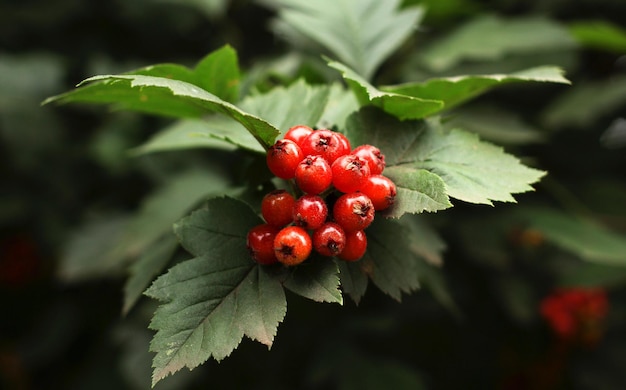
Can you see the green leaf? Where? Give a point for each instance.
(297, 104)
(453, 91)
(492, 38)
(341, 103)
(583, 237)
(211, 301)
(473, 171)
(353, 280)
(400, 106)
(600, 34)
(361, 33)
(317, 279)
(163, 96)
(213, 132)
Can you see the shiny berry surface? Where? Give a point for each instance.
(310, 212)
(329, 239)
(277, 208)
(260, 243)
(355, 247)
(283, 157)
(381, 190)
(353, 211)
(292, 245)
(349, 173)
(313, 175)
(373, 156)
(325, 143)
(298, 133)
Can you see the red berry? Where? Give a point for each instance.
(260, 243)
(349, 173)
(310, 212)
(298, 133)
(356, 244)
(283, 158)
(313, 175)
(373, 156)
(329, 239)
(325, 143)
(277, 208)
(353, 211)
(345, 142)
(381, 190)
(292, 245)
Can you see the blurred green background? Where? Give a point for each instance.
(69, 184)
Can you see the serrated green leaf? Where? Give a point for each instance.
(214, 299)
(361, 33)
(401, 106)
(600, 34)
(491, 38)
(317, 279)
(297, 104)
(418, 190)
(453, 91)
(341, 103)
(473, 171)
(583, 237)
(163, 96)
(353, 280)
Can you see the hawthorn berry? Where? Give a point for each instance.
(292, 245)
(349, 173)
(260, 243)
(310, 212)
(283, 157)
(329, 239)
(373, 156)
(298, 133)
(313, 175)
(345, 142)
(277, 208)
(381, 190)
(356, 245)
(353, 211)
(325, 143)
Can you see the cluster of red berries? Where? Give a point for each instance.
(342, 188)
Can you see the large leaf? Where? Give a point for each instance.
(600, 34)
(163, 96)
(317, 279)
(401, 106)
(456, 90)
(361, 33)
(491, 38)
(211, 301)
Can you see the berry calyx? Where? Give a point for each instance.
(292, 245)
(313, 175)
(283, 157)
(325, 143)
(353, 211)
(373, 156)
(349, 173)
(310, 212)
(356, 245)
(381, 190)
(298, 133)
(260, 244)
(277, 208)
(329, 239)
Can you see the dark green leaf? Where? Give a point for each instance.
(341, 103)
(353, 280)
(211, 301)
(317, 279)
(600, 34)
(400, 106)
(361, 33)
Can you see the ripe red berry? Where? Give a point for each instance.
(353, 211)
(283, 158)
(310, 212)
(373, 156)
(349, 173)
(325, 143)
(329, 239)
(298, 133)
(277, 208)
(381, 190)
(313, 175)
(345, 142)
(260, 243)
(356, 244)
(292, 245)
